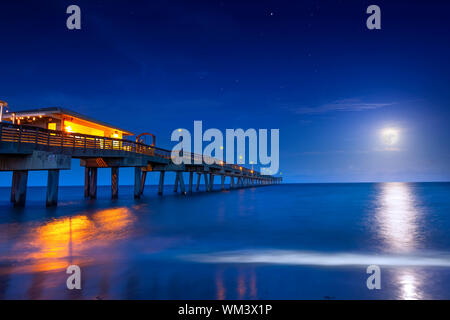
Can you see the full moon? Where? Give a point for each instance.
(390, 136)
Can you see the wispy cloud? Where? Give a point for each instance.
(342, 105)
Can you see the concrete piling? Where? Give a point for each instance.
(114, 183)
(177, 180)
(199, 175)
(181, 181)
(137, 182)
(211, 182)
(90, 183)
(161, 182)
(231, 182)
(206, 182)
(86, 182)
(142, 186)
(191, 178)
(19, 188)
(93, 183)
(52, 188)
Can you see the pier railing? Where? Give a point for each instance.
(71, 142)
(22, 134)
(195, 158)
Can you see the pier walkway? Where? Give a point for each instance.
(26, 148)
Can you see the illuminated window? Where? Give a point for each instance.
(79, 128)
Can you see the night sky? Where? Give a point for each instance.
(309, 68)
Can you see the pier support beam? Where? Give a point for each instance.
(139, 182)
(199, 175)
(181, 180)
(13, 184)
(52, 187)
(222, 181)
(191, 178)
(175, 185)
(114, 183)
(161, 182)
(144, 177)
(211, 182)
(93, 183)
(86, 182)
(90, 183)
(206, 182)
(19, 188)
(231, 182)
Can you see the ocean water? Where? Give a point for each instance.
(293, 241)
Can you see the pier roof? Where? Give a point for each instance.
(59, 112)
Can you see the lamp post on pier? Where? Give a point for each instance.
(3, 104)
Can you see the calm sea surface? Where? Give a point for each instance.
(299, 241)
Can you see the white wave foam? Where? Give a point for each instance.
(286, 257)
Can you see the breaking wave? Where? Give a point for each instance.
(289, 257)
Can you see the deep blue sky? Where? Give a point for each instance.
(310, 68)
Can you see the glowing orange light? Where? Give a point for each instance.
(68, 129)
(50, 246)
(240, 168)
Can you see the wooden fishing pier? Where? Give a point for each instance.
(48, 139)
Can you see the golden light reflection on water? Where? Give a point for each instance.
(241, 285)
(398, 220)
(221, 291)
(246, 284)
(64, 241)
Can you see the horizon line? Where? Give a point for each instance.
(284, 183)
